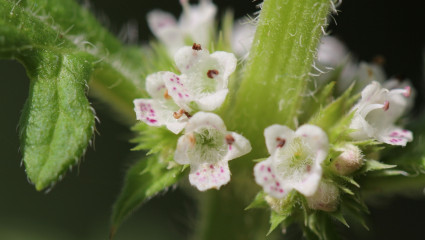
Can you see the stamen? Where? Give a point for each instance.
(212, 73)
(178, 114)
(408, 91)
(196, 47)
(187, 114)
(280, 142)
(166, 96)
(230, 139)
(386, 105)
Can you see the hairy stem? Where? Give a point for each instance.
(271, 91)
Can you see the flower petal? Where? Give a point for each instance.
(204, 119)
(316, 139)
(396, 136)
(226, 65)
(155, 85)
(265, 176)
(209, 175)
(188, 59)
(197, 21)
(239, 146)
(277, 136)
(243, 36)
(212, 101)
(178, 90)
(310, 181)
(155, 113)
(164, 26)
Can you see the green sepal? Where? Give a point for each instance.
(338, 215)
(327, 117)
(276, 219)
(373, 165)
(258, 202)
(143, 180)
(153, 139)
(320, 99)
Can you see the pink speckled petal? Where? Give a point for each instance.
(396, 136)
(209, 175)
(177, 90)
(154, 113)
(265, 176)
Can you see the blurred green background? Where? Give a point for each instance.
(79, 207)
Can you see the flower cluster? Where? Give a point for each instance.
(201, 86)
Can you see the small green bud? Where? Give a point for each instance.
(326, 197)
(350, 160)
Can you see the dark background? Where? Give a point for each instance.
(79, 206)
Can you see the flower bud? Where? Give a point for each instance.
(348, 161)
(326, 197)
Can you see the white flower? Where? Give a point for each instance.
(376, 113)
(201, 86)
(331, 52)
(207, 146)
(196, 24)
(161, 109)
(295, 161)
(203, 82)
(242, 37)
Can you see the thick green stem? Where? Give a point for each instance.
(274, 82)
(278, 69)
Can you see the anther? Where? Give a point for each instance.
(230, 139)
(280, 142)
(196, 47)
(187, 114)
(386, 105)
(166, 96)
(212, 73)
(178, 114)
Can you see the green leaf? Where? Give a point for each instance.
(57, 121)
(144, 180)
(62, 54)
